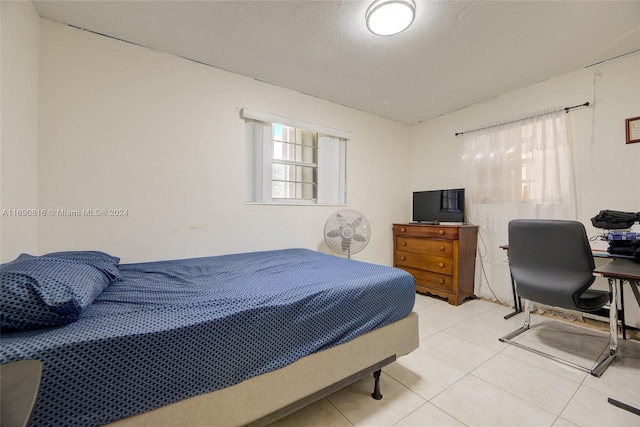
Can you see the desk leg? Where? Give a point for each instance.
(517, 303)
(624, 406)
(634, 288)
(634, 285)
(624, 326)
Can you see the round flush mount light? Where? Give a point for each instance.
(388, 17)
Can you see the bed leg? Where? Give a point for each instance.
(376, 388)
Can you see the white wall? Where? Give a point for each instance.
(123, 126)
(607, 169)
(20, 32)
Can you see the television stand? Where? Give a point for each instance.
(442, 258)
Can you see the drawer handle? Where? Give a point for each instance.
(441, 264)
(441, 232)
(441, 248)
(404, 243)
(441, 281)
(403, 257)
(403, 229)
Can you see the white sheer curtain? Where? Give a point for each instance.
(522, 169)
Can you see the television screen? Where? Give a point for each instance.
(437, 206)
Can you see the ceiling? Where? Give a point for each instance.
(455, 54)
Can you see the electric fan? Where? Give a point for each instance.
(347, 231)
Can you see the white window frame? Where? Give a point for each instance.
(332, 146)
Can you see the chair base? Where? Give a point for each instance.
(603, 361)
(597, 370)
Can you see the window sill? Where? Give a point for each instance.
(294, 203)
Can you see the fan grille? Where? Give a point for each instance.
(347, 231)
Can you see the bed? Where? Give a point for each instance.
(227, 340)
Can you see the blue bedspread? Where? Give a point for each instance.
(175, 329)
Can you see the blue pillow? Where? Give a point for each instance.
(38, 292)
(105, 262)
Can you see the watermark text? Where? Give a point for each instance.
(59, 212)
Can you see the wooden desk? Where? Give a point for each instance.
(622, 270)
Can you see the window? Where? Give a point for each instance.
(501, 177)
(519, 169)
(293, 162)
(518, 165)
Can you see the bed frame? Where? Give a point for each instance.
(262, 400)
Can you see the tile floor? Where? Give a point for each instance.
(462, 375)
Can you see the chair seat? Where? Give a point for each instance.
(592, 300)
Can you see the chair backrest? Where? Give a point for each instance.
(550, 261)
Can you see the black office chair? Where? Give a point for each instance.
(551, 263)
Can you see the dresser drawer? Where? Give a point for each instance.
(433, 231)
(431, 280)
(441, 248)
(424, 262)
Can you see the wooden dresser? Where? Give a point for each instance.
(442, 258)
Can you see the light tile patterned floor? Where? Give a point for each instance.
(462, 375)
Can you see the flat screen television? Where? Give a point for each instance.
(436, 206)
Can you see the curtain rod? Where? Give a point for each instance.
(566, 110)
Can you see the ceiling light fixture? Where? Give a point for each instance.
(388, 17)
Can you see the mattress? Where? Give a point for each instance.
(176, 329)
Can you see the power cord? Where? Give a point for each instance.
(484, 273)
